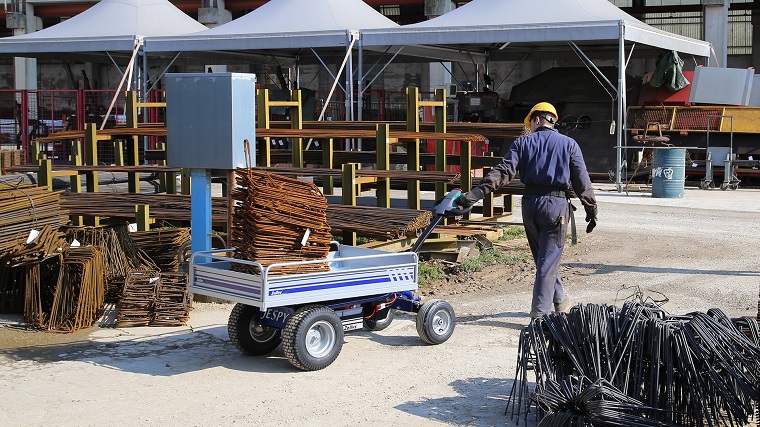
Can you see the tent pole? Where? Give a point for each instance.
(162, 72)
(332, 89)
(334, 77)
(621, 108)
(590, 62)
(385, 66)
(360, 90)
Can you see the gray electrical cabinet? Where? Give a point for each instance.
(208, 118)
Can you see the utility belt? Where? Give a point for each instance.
(546, 190)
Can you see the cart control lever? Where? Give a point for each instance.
(447, 205)
(444, 207)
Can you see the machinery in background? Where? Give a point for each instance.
(721, 139)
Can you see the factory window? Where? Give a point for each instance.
(690, 24)
(390, 9)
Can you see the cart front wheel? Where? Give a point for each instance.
(380, 320)
(435, 321)
(312, 338)
(250, 336)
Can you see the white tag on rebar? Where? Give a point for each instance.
(32, 236)
(75, 244)
(132, 227)
(305, 237)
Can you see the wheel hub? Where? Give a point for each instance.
(320, 339)
(441, 322)
(259, 332)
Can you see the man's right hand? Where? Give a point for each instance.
(591, 218)
(465, 200)
(462, 201)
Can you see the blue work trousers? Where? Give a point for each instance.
(545, 219)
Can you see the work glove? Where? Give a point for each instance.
(465, 200)
(590, 218)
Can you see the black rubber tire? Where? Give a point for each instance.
(435, 321)
(378, 324)
(248, 335)
(312, 337)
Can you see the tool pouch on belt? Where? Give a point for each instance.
(573, 232)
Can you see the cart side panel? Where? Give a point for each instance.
(217, 280)
(340, 284)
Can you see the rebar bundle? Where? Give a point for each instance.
(278, 219)
(136, 302)
(172, 304)
(389, 223)
(162, 246)
(20, 264)
(122, 256)
(151, 298)
(10, 158)
(25, 207)
(168, 207)
(384, 222)
(692, 370)
(78, 299)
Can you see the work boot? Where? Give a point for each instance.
(564, 306)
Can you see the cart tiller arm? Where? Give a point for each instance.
(444, 208)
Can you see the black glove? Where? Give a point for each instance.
(465, 200)
(590, 218)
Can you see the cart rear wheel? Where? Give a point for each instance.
(312, 337)
(250, 336)
(435, 321)
(380, 320)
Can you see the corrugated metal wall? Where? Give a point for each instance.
(690, 23)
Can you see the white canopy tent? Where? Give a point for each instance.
(108, 26)
(491, 26)
(287, 27)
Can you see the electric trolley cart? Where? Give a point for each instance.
(309, 313)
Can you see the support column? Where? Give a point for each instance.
(200, 210)
(24, 69)
(213, 13)
(716, 29)
(437, 76)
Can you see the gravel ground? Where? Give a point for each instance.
(698, 251)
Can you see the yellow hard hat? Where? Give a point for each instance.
(543, 107)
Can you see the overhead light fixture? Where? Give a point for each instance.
(504, 45)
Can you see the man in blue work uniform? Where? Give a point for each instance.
(548, 163)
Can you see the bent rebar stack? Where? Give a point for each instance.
(692, 370)
(278, 219)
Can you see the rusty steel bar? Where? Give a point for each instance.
(173, 207)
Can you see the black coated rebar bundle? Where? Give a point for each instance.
(122, 256)
(26, 207)
(78, 299)
(162, 246)
(279, 219)
(697, 369)
(579, 402)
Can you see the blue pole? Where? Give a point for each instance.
(200, 204)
